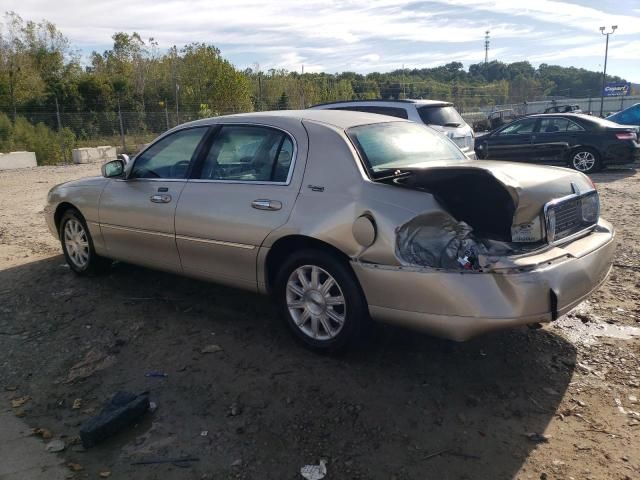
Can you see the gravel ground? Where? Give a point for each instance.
(559, 402)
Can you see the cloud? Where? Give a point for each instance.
(570, 15)
(360, 35)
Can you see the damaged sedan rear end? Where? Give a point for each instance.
(492, 244)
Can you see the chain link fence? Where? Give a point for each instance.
(52, 135)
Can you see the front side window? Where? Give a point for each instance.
(169, 157)
(248, 154)
(520, 127)
(396, 145)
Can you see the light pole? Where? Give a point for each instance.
(604, 72)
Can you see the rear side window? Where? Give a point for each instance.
(380, 110)
(444, 116)
(553, 125)
(248, 154)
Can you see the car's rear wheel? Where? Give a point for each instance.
(77, 245)
(585, 160)
(321, 300)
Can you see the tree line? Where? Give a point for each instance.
(42, 78)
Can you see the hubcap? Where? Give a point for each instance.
(316, 302)
(584, 161)
(76, 242)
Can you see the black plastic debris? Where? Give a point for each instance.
(123, 410)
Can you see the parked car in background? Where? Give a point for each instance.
(583, 142)
(441, 116)
(495, 120)
(628, 116)
(343, 216)
(563, 109)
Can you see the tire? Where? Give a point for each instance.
(321, 325)
(77, 245)
(585, 160)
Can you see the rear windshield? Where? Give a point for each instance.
(443, 116)
(603, 122)
(380, 110)
(398, 145)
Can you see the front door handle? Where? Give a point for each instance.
(161, 198)
(264, 204)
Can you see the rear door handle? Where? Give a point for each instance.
(264, 204)
(160, 198)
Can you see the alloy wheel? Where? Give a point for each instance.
(584, 161)
(316, 302)
(77, 243)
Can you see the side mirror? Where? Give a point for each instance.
(114, 168)
(124, 157)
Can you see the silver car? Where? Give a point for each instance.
(439, 115)
(344, 217)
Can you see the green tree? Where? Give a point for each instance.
(283, 101)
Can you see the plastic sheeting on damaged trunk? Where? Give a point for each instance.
(438, 240)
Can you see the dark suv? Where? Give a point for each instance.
(585, 143)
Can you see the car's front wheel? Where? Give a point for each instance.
(585, 160)
(321, 300)
(77, 245)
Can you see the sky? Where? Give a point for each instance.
(362, 35)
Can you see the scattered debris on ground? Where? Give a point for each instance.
(401, 405)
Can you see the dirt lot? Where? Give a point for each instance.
(405, 406)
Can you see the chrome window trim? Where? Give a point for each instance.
(294, 156)
(215, 242)
(573, 236)
(130, 180)
(178, 237)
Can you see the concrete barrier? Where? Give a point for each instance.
(94, 154)
(12, 160)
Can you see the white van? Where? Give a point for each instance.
(441, 116)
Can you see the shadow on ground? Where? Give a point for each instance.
(611, 174)
(404, 406)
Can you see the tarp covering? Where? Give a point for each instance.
(440, 241)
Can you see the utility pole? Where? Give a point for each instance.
(166, 112)
(177, 106)
(487, 42)
(58, 114)
(404, 91)
(604, 72)
(124, 145)
(302, 86)
(259, 91)
(64, 152)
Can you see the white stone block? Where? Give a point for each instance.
(94, 154)
(13, 160)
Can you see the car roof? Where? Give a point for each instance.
(342, 119)
(415, 101)
(583, 116)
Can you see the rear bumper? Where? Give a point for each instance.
(460, 305)
(622, 154)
